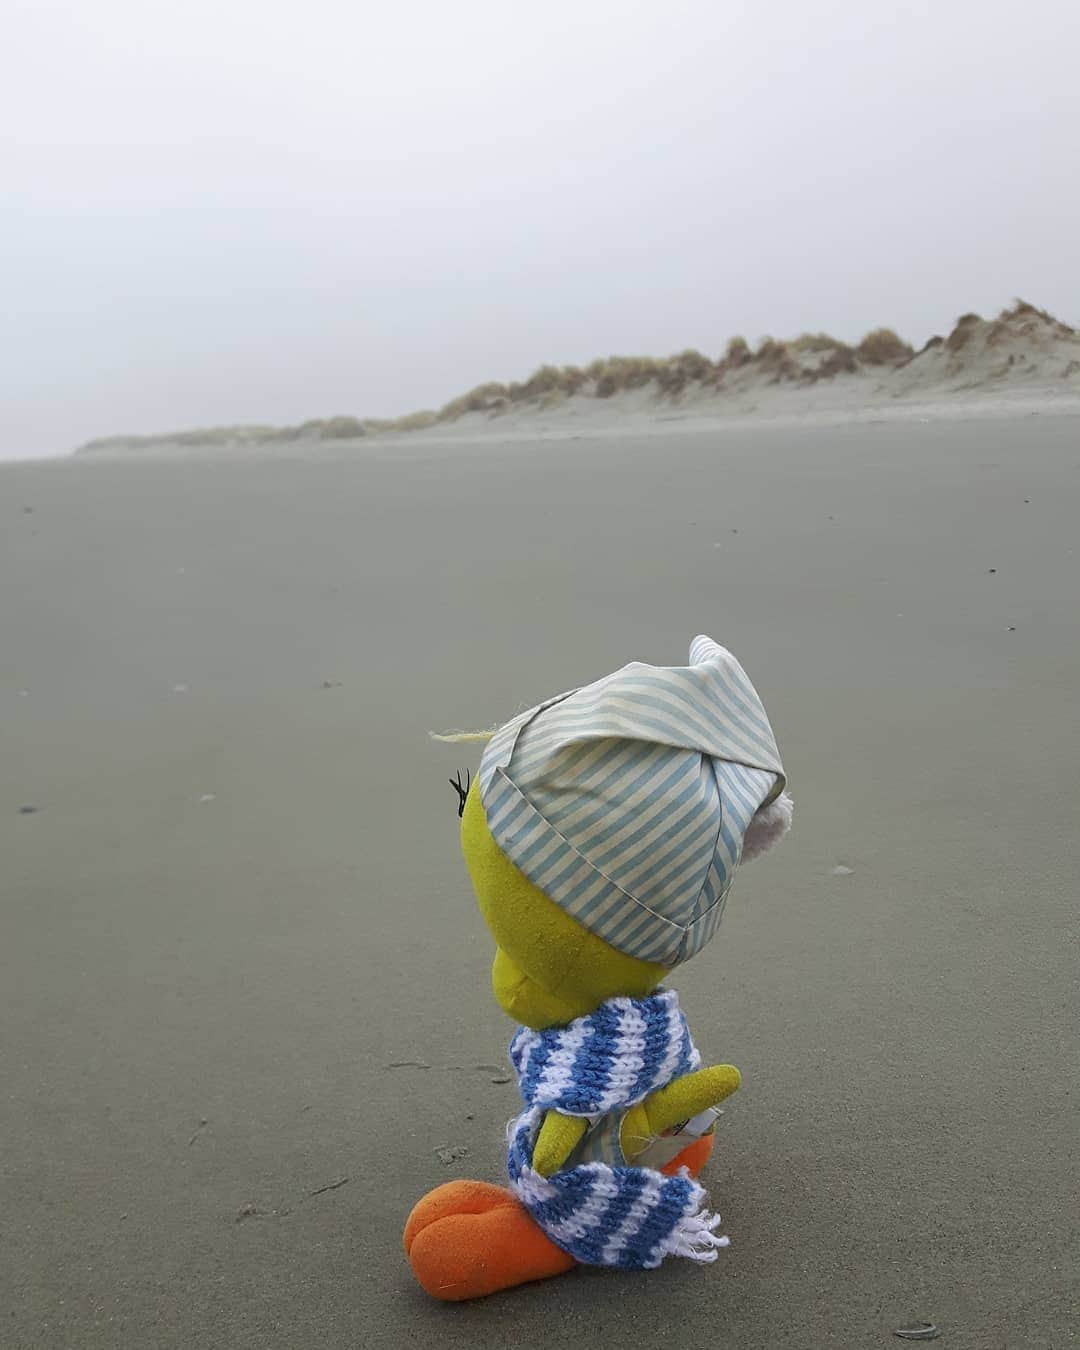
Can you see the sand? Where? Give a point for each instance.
(238, 902)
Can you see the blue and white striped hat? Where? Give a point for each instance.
(627, 802)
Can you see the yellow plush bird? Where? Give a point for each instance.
(602, 835)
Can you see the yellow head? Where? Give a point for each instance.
(548, 968)
(643, 747)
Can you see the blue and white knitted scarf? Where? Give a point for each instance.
(631, 1217)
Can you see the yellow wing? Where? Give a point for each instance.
(682, 1099)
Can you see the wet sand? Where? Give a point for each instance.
(238, 901)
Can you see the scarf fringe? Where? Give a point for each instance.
(695, 1237)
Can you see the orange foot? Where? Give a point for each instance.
(469, 1238)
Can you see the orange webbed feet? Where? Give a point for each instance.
(467, 1239)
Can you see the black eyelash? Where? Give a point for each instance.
(462, 791)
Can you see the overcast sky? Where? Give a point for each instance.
(249, 210)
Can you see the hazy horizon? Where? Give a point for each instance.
(267, 214)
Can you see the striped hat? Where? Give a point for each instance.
(627, 802)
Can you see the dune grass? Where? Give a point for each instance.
(804, 360)
(882, 347)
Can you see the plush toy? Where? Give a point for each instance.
(602, 835)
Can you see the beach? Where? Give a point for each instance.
(244, 987)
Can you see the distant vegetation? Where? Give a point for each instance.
(341, 428)
(804, 360)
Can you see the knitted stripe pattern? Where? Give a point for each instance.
(629, 1217)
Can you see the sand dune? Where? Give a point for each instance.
(1023, 354)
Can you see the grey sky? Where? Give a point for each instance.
(247, 210)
